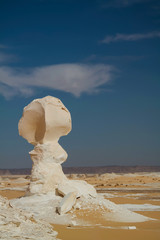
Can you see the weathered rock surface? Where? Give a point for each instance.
(19, 224)
(112, 211)
(43, 206)
(67, 203)
(43, 122)
(81, 188)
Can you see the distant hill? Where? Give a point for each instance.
(89, 170)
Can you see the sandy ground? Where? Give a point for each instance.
(140, 188)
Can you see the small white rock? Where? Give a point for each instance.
(132, 227)
(67, 203)
(77, 206)
(74, 223)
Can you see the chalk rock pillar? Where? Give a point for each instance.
(43, 122)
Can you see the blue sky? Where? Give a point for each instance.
(102, 59)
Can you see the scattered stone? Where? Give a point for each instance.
(28, 177)
(67, 203)
(74, 223)
(20, 180)
(132, 227)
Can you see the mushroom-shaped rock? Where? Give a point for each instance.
(43, 122)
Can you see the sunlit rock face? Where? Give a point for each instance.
(43, 122)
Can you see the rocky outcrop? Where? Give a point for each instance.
(81, 188)
(43, 122)
(19, 224)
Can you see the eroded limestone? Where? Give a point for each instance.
(19, 224)
(67, 203)
(43, 122)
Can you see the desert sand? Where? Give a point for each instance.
(141, 191)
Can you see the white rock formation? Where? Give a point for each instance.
(19, 224)
(43, 122)
(82, 188)
(67, 203)
(43, 206)
(111, 211)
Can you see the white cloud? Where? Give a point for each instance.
(71, 78)
(130, 37)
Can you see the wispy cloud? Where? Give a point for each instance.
(2, 46)
(115, 58)
(122, 3)
(6, 58)
(72, 78)
(130, 37)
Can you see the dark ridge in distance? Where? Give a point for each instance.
(88, 170)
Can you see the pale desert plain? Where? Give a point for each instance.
(140, 192)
